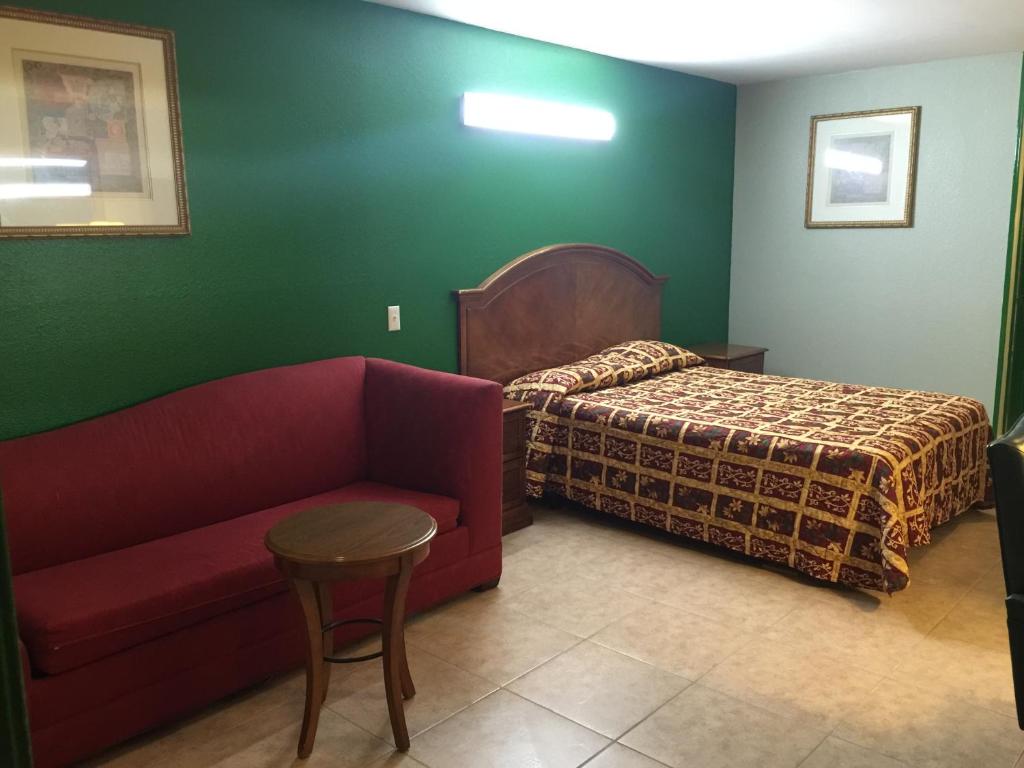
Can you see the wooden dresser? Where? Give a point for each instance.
(735, 357)
(515, 512)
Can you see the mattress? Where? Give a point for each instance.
(834, 480)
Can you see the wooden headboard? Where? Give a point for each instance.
(555, 305)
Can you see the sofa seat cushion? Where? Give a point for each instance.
(77, 612)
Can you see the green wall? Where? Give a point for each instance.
(329, 177)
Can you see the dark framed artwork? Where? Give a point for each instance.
(90, 128)
(861, 168)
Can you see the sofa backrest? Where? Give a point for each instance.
(188, 459)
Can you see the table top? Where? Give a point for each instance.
(726, 351)
(355, 533)
(511, 406)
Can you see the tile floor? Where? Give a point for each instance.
(616, 648)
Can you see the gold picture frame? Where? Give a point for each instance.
(90, 128)
(862, 169)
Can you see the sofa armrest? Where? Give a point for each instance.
(438, 433)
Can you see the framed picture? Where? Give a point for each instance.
(861, 168)
(90, 128)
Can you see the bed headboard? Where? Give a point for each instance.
(555, 305)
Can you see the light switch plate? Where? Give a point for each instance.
(394, 318)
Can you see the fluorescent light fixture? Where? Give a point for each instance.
(543, 118)
(41, 162)
(25, 191)
(851, 161)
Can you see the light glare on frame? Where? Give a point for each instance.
(26, 191)
(41, 162)
(91, 224)
(851, 161)
(542, 118)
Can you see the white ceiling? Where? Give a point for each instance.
(746, 41)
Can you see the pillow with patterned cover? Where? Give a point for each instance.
(655, 356)
(618, 364)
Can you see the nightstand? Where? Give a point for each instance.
(515, 512)
(735, 357)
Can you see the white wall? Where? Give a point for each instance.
(917, 307)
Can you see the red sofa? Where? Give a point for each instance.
(142, 586)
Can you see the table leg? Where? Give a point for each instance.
(408, 689)
(326, 616)
(308, 594)
(396, 668)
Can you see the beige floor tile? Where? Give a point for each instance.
(599, 688)
(357, 693)
(648, 573)
(953, 556)
(554, 550)
(618, 756)
(263, 703)
(836, 753)
(971, 530)
(737, 594)
(992, 583)
(156, 750)
(339, 744)
(702, 728)
(929, 731)
(979, 618)
(798, 681)
(530, 568)
(750, 630)
(602, 546)
(558, 516)
(672, 639)
(923, 603)
(955, 571)
(872, 640)
(483, 605)
(397, 760)
(506, 731)
(975, 532)
(579, 606)
(159, 749)
(976, 674)
(486, 637)
(210, 751)
(215, 733)
(572, 548)
(525, 537)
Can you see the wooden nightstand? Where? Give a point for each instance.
(515, 512)
(735, 357)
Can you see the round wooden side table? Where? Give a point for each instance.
(358, 540)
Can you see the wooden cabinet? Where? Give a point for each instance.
(515, 512)
(735, 357)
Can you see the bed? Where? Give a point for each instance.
(833, 480)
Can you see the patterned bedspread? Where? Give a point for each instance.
(834, 480)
